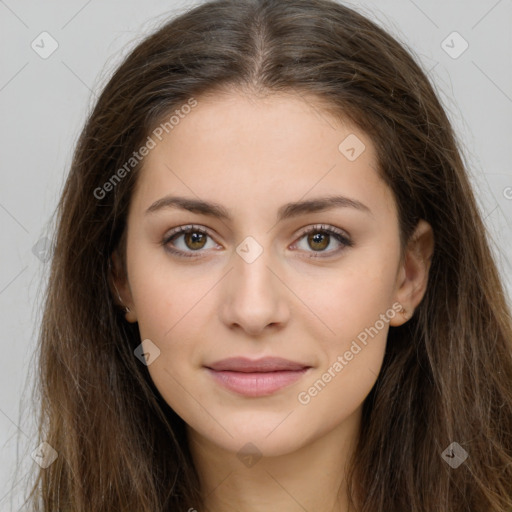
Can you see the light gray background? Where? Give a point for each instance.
(44, 103)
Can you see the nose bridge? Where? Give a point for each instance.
(253, 279)
(254, 276)
(255, 297)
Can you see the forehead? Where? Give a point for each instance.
(254, 151)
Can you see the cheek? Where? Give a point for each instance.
(354, 298)
(166, 299)
(173, 321)
(339, 389)
(174, 310)
(358, 312)
(357, 309)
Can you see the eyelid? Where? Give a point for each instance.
(324, 227)
(186, 228)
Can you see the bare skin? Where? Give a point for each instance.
(305, 299)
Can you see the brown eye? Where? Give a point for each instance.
(186, 240)
(195, 240)
(318, 241)
(319, 238)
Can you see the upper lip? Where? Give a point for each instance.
(265, 364)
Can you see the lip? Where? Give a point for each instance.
(254, 378)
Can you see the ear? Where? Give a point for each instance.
(120, 288)
(412, 277)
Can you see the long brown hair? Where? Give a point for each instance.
(447, 372)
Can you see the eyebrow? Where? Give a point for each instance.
(287, 211)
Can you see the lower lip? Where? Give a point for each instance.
(256, 384)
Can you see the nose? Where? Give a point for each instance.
(254, 297)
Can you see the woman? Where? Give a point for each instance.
(271, 287)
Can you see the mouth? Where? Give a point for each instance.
(255, 378)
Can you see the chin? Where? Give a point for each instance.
(266, 436)
(261, 446)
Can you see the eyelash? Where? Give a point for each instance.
(319, 228)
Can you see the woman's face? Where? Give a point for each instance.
(294, 253)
